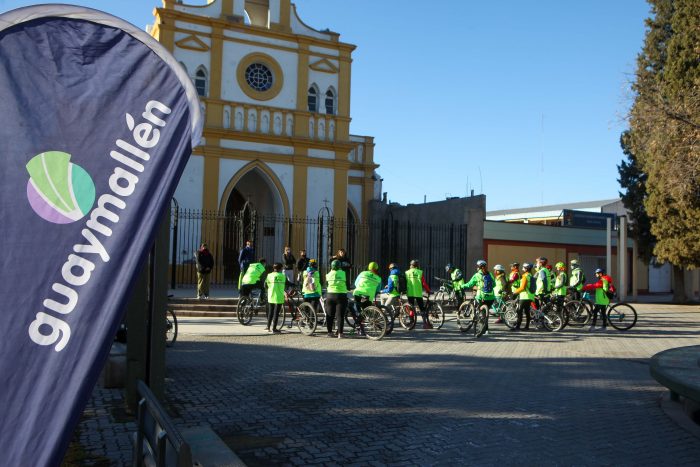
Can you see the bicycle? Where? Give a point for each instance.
(303, 313)
(404, 312)
(548, 316)
(578, 313)
(473, 313)
(170, 328)
(248, 306)
(446, 295)
(622, 316)
(372, 320)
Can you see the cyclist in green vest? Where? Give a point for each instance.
(276, 282)
(484, 283)
(457, 279)
(500, 288)
(367, 285)
(525, 297)
(415, 284)
(311, 284)
(560, 283)
(577, 279)
(393, 291)
(542, 279)
(336, 298)
(514, 278)
(254, 278)
(601, 288)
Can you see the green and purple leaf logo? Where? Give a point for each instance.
(58, 190)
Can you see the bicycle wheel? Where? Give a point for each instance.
(622, 316)
(407, 317)
(373, 322)
(244, 311)
(510, 315)
(481, 321)
(465, 316)
(307, 321)
(577, 314)
(282, 316)
(552, 319)
(435, 315)
(170, 328)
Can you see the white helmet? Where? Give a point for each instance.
(498, 267)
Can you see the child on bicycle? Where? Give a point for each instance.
(311, 284)
(254, 278)
(367, 285)
(484, 283)
(276, 282)
(500, 286)
(392, 290)
(415, 284)
(602, 288)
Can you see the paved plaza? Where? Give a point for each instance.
(420, 397)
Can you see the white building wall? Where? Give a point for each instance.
(325, 51)
(320, 184)
(321, 153)
(192, 60)
(227, 169)
(230, 90)
(355, 198)
(190, 190)
(259, 147)
(285, 172)
(191, 27)
(211, 10)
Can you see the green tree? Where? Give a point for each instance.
(665, 132)
(633, 181)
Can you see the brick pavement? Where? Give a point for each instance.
(432, 398)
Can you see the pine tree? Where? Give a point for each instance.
(665, 131)
(633, 181)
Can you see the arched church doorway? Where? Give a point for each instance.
(254, 211)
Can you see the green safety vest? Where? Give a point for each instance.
(336, 281)
(317, 284)
(414, 284)
(395, 279)
(478, 281)
(601, 298)
(525, 294)
(253, 273)
(576, 277)
(367, 284)
(457, 284)
(560, 286)
(275, 287)
(516, 284)
(500, 285)
(540, 284)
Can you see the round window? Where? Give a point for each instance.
(258, 77)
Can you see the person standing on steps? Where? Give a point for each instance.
(205, 263)
(288, 262)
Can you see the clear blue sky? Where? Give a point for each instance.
(522, 100)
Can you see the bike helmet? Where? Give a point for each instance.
(480, 263)
(335, 264)
(543, 259)
(527, 266)
(574, 262)
(448, 267)
(515, 265)
(560, 265)
(498, 267)
(313, 263)
(414, 262)
(600, 270)
(373, 266)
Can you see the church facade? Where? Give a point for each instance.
(275, 94)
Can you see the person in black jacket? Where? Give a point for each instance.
(288, 262)
(302, 264)
(205, 263)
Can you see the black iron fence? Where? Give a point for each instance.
(386, 241)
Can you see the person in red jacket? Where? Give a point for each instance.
(601, 289)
